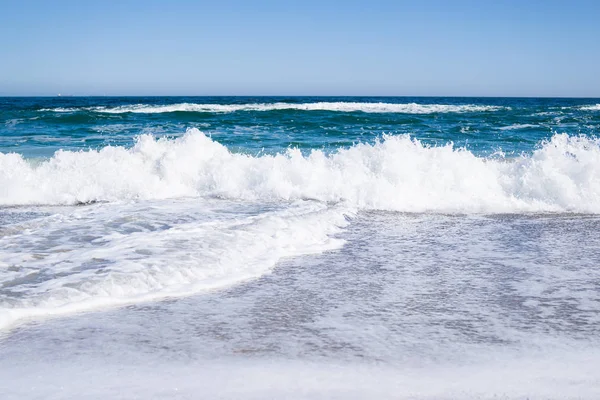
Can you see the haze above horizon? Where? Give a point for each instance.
(380, 48)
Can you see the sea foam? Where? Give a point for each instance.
(397, 173)
(594, 107)
(49, 271)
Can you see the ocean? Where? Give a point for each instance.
(299, 248)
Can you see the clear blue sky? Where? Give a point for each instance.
(145, 47)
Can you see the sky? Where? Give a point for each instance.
(229, 47)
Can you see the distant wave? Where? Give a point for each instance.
(397, 173)
(407, 108)
(595, 107)
(517, 126)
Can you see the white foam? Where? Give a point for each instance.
(405, 108)
(595, 107)
(57, 273)
(397, 173)
(517, 126)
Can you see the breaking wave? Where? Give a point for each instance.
(595, 107)
(397, 173)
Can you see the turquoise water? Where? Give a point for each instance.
(262, 247)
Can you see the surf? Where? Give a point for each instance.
(395, 173)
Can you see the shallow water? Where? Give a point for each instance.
(413, 306)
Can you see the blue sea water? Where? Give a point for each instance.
(37, 127)
(299, 247)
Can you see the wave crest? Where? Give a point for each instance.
(397, 173)
(595, 107)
